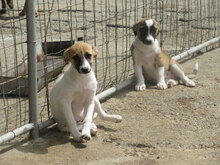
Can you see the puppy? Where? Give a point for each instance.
(149, 59)
(73, 101)
(11, 6)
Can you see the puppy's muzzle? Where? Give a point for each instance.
(148, 42)
(85, 67)
(85, 70)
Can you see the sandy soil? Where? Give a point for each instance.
(161, 127)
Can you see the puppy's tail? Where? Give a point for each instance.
(195, 71)
(105, 116)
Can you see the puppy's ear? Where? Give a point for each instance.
(95, 51)
(136, 26)
(66, 55)
(156, 25)
(135, 29)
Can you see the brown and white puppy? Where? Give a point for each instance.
(149, 59)
(11, 6)
(72, 99)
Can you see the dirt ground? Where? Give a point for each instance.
(177, 126)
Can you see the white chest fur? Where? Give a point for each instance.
(145, 56)
(72, 85)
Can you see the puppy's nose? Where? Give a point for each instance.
(85, 70)
(148, 42)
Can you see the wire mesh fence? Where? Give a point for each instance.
(107, 24)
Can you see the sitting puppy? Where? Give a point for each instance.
(73, 101)
(148, 56)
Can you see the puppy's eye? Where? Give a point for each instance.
(88, 56)
(153, 30)
(76, 57)
(143, 29)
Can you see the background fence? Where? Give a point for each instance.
(107, 24)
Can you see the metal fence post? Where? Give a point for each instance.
(32, 66)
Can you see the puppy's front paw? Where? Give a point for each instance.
(190, 83)
(86, 137)
(79, 140)
(93, 129)
(140, 87)
(161, 85)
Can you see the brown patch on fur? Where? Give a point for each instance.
(132, 53)
(138, 25)
(141, 23)
(163, 60)
(79, 49)
(156, 25)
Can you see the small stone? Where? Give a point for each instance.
(109, 140)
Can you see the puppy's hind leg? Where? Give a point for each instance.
(171, 82)
(62, 127)
(180, 74)
(70, 122)
(105, 116)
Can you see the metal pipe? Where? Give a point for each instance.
(196, 48)
(102, 96)
(46, 123)
(32, 67)
(19, 131)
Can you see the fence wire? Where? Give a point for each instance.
(106, 24)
